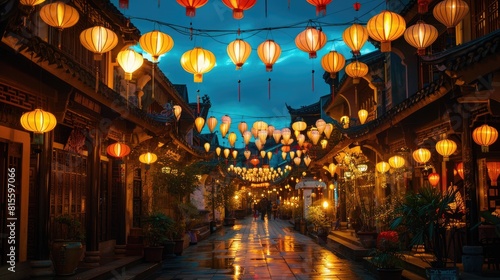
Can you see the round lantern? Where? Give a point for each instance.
(31, 3)
(269, 52)
(485, 136)
(232, 139)
(239, 51)
(260, 125)
(421, 155)
(355, 37)
(493, 171)
(199, 122)
(238, 6)
(299, 125)
(59, 15)
(207, 147)
(382, 167)
(450, 12)
(38, 121)
(148, 158)
(446, 148)
(130, 61)
(433, 179)
(211, 122)
(396, 162)
(156, 43)
(363, 115)
(356, 70)
(386, 27)
(191, 6)
(320, 5)
(197, 62)
(242, 127)
(226, 119)
(254, 161)
(99, 40)
(310, 41)
(118, 150)
(420, 36)
(460, 169)
(332, 63)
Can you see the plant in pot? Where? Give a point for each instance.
(67, 247)
(388, 256)
(317, 219)
(156, 227)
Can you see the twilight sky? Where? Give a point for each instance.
(291, 78)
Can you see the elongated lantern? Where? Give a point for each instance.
(197, 62)
(199, 122)
(238, 6)
(191, 6)
(269, 51)
(239, 51)
(310, 41)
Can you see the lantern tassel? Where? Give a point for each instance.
(124, 4)
(198, 103)
(239, 90)
(269, 88)
(312, 79)
(96, 77)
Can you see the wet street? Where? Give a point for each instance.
(260, 250)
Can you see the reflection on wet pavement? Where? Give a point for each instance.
(259, 250)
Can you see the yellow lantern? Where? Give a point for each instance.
(386, 27)
(242, 127)
(299, 125)
(297, 161)
(307, 160)
(247, 154)
(218, 150)
(433, 179)
(148, 158)
(332, 168)
(446, 148)
(421, 155)
(197, 62)
(332, 63)
(260, 125)
(38, 121)
(177, 111)
(239, 51)
(420, 36)
(269, 52)
(320, 125)
(234, 153)
(269, 155)
(226, 152)
(485, 136)
(314, 135)
(118, 150)
(231, 138)
(207, 147)
(262, 134)
(450, 12)
(396, 162)
(356, 70)
(130, 61)
(310, 41)
(363, 115)
(31, 3)
(262, 154)
(59, 15)
(277, 135)
(99, 40)
(382, 167)
(247, 135)
(212, 122)
(355, 37)
(199, 122)
(224, 128)
(344, 121)
(324, 143)
(156, 43)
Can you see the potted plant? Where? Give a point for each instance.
(67, 247)
(317, 219)
(156, 229)
(387, 256)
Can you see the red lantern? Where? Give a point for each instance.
(238, 6)
(433, 179)
(320, 5)
(191, 6)
(423, 6)
(118, 150)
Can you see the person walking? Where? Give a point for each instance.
(275, 210)
(263, 208)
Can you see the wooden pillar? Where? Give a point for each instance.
(44, 169)
(470, 190)
(92, 255)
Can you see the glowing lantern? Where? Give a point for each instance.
(59, 15)
(277, 135)
(356, 70)
(286, 133)
(269, 155)
(260, 125)
(269, 52)
(332, 63)
(242, 127)
(332, 168)
(355, 37)
(396, 162)
(450, 12)
(226, 119)
(421, 155)
(446, 148)
(130, 61)
(211, 122)
(362, 114)
(199, 122)
(156, 43)
(224, 128)
(485, 136)
(493, 171)
(386, 27)
(344, 121)
(324, 143)
(460, 169)
(247, 135)
(177, 111)
(232, 138)
(254, 161)
(239, 51)
(38, 121)
(31, 3)
(301, 138)
(258, 144)
(118, 150)
(226, 152)
(310, 41)
(420, 36)
(270, 130)
(148, 158)
(197, 62)
(99, 40)
(247, 154)
(423, 6)
(191, 6)
(234, 153)
(297, 161)
(218, 150)
(283, 154)
(382, 167)
(292, 154)
(314, 136)
(328, 130)
(238, 6)
(433, 179)
(207, 147)
(320, 5)
(307, 160)
(299, 125)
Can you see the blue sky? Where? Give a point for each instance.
(291, 76)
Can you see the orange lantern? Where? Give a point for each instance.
(421, 155)
(207, 147)
(239, 51)
(396, 162)
(446, 148)
(226, 152)
(269, 52)
(355, 37)
(386, 27)
(31, 3)
(493, 172)
(59, 15)
(99, 40)
(310, 40)
(247, 154)
(191, 6)
(460, 169)
(363, 115)
(118, 150)
(199, 122)
(382, 167)
(242, 127)
(156, 43)
(433, 179)
(238, 6)
(218, 150)
(38, 121)
(356, 70)
(420, 36)
(197, 62)
(332, 63)
(254, 161)
(320, 5)
(450, 12)
(212, 122)
(485, 136)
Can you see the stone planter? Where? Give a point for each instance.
(367, 239)
(66, 256)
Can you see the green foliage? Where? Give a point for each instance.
(179, 182)
(71, 228)
(157, 228)
(316, 216)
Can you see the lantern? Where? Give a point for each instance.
(239, 51)
(269, 52)
(247, 154)
(286, 133)
(234, 153)
(297, 161)
(247, 135)
(450, 12)
(269, 155)
(421, 155)
(493, 171)
(191, 6)
(332, 63)
(197, 62)
(262, 134)
(460, 169)
(177, 111)
(130, 61)
(324, 143)
(446, 148)
(59, 15)
(118, 150)
(232, 139)
(386, 27)
(212, 122)
(226, 119)
(344, 121)
(355, 37)
(328, 130)
(199, 122)
(254, 161)
(260, 125)
(277, 135)
(148, 158)
(362, 167)
(31, 3)
(99, 40)
(314, 136)
(270, 130)
(242, 127)
(310, 41)
(156, 43)
(238, 6)
(226, 152)
(485, 136)
(284, 153)
(307, 160)
(38, 121)
(218, 150)
(224, 128)
(396, 162)
(258, 144)
(207, 147)
(356, 70)
(320, 5)
(299, 125)
(362, 114)
(433, 179)
(423, 6)
(382, 167)
(332, 168)
(420, 36)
